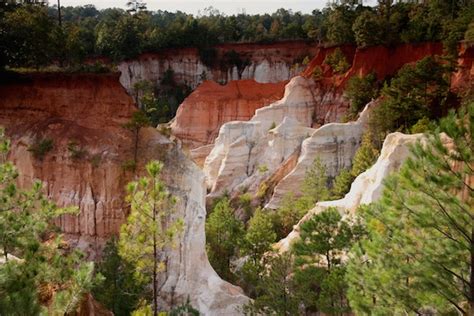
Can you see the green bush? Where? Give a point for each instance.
(337, 61)
(41, 147)
(360, 91)
(417, 91)
(95, 160)
(76, 151)
(368, 29)
(129, 165)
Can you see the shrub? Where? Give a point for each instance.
(77, 152)
(41, 147)
(129, 165)
(208, 56)
(368, 29)
(337, 61)
(262, 168)
(422, 126)
(317, 73)
(360, 91)
(95, 160)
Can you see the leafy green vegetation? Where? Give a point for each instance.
(37, 275)
(120, 292)
(418, 252)
(360, 91)
(161, 102)
(417, 91)
(224, 233)
(31, 37)
(76, 150)
(149, 227)
(41, 147)
(138, 121)
(337, 61)
(323, 240)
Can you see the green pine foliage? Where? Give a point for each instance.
(120, 292)
(292, 209)
(360, 91)
(41, 147)
(418, 255)
(258, 239)
(224, 233)
(365, 156)
(368, 29)
(33, 262)
(320, 270)
(138, 121)
(259, 235)
(417, 91)
(31, 37)
(145, 235)
(315, 183)
(342, 184)
(277, 289)
(337, 61)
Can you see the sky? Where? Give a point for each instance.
(227, 6)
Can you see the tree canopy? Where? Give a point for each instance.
(418, 255)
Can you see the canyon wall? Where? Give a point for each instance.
(367, 187)
(90, 110)
(201, 115)
(250, 156)
(263, 63)
(211, 105)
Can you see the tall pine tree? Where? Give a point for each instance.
(419, 254)
(35, 269)
(149, 227)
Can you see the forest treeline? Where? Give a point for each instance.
(31, 35)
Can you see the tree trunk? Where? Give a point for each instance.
(471, 278)
(59, 14)
(155, 254)
(5, 253)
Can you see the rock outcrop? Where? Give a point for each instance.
(334, 144)
(255, 155)
(462, 79)
(368, 186)
(200, 116)
(90, 110)
(313, 102)
(242, 147)
(261, 62)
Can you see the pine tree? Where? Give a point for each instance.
(149, 227)
(365, 156)
(419, 254)
(319, 270)
(259, 236)
(277, 289)
(291, 210)
(120, 292)
(224, 233)
(136, 123)
(258, 239)
(315, 183)
(34, 269)
(342, 184)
